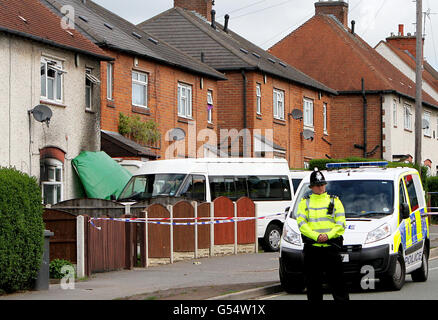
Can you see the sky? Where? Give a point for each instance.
(265, 22)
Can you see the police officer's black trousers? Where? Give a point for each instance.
(318, 260)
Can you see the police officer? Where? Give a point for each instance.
(321, 219)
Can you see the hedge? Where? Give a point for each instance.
(21, 230)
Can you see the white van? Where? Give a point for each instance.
(387, 234)
(265, 181)
(296, 176)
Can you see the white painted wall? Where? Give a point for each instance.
(72, 129)
(398, 140)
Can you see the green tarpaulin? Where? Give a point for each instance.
(100, 175)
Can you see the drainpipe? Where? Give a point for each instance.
(245, 125)
(365, 105)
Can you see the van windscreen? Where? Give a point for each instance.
(151, 185)
(360, 198)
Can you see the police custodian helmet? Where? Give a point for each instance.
(317, 178)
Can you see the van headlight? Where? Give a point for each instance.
(291, 236)
(380, 233)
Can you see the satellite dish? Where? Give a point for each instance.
(426, 124)
(297, 114)
(177, 134)
(42, 113)
(308, 134)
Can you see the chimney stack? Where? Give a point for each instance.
(203, 7)
(337, 8)
(402, 42)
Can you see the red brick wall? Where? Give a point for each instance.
(347, 114)
(286, 133)
(203, 7)
(162, 97)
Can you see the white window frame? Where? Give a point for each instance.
(427, 115)
(184, 100)
(324, 115)
(407, 115)
(259, 98)
(209, 103)
(58, 81)
(136, 80)
(278, 104)
(308, 115)
(394, 113)
(88, 86)
(54, 165)
(109, 81)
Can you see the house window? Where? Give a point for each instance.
(139, 89)
(308, 113)
(51, 181)
(278, 104)
(394, 113)
(90, 81)
(184, 100)
(259, 98)
(210, 106)
(324, 113)
(426, 118)
(51, 80)
(109, 81)
(408, 117)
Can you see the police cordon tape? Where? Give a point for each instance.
(216, 220)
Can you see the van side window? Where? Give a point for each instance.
(412, 193)
(402, 199)
(269, 188)
(222, 186)
(195, 188)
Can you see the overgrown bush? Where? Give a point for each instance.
(134, 128)
(432, 186)
(21, 230)
(56, 266)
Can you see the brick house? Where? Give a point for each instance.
(149, 79)
(375, 108)
(44, 64)
(260, 92)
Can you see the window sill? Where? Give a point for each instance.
(259, 116)
(408, 130)
(210, 125)
(53, 103)
(280, 122)
(184, 119)
(110, 103)
(142, 110)
(310, 128)
(90, 111)
(428, 136)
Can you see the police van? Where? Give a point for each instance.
(265, 181)
(387, 230)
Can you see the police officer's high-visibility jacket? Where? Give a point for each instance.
(313, 218)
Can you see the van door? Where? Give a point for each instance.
(415, 224)
(195, 188)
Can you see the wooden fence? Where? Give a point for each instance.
(124, 245)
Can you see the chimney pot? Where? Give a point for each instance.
(227, 19)
(213, 19)
(401, 30)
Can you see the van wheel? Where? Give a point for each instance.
(421, 274)
(397, 280)
(271, 240)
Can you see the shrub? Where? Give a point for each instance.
(56, 266)
(21, 230)
(134, 128)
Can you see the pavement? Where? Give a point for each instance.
(231, 277)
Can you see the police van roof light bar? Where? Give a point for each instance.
(340, 165)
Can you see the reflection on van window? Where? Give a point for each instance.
(257, 188)
(361, 198)
(151, 185)
(194, 188)
(410, 186)
(296, 183)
